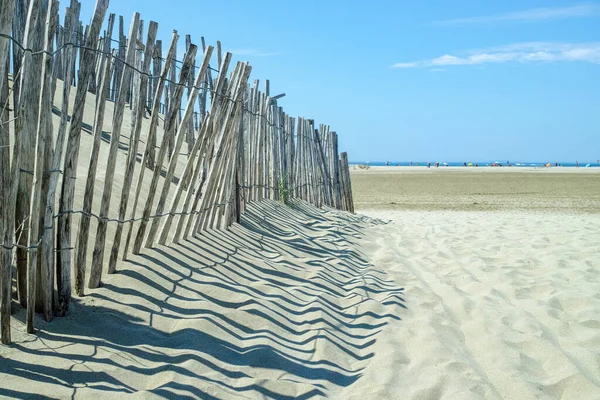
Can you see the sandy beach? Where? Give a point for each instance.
(170, 229)
(501, 270)
(300, 302)
(477, 189)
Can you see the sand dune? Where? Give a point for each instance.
(281, 306)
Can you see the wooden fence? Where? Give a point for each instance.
(240, 147)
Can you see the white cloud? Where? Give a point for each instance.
(532, 15)
(407, 65)
(518, 52)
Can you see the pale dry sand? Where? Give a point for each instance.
(501, 303)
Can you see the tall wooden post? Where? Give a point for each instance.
(131, 159)
(97, 261)
(151, 135)
(6, 228)
(25, 129)
(183, 126)
(47, 262)
(72, 155)
(167, 138)
(45, 113)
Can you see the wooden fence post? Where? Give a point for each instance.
(45, 113)
(98, 253)
(104, 58)
(18, 32)
(326, 189)
(6, 228)
(84, 223)
(131, 159)
(189, 133)
(336, 172)
(157, 68)
(151, 135)
(25, 129)
(47, 262)
(347, 182)
(291, 155)
(172, 104)
(72, 154)
(119, 60)
(183, 125)
(167, 138)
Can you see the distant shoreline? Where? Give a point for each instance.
(583, 164)
(358, 168)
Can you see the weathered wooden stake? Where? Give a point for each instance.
(131, 160)
(45, 113)
(88, 197)
(98, 254)
(168, 135)
(151, 135)
(25, 130)
(183, 125)
(6, 227)
(72, 155)
(47, 262)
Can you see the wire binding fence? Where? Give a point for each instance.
(241, 147)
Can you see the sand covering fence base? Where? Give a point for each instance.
(283, 306)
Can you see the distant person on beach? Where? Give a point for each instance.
(464, 164)
(411, 163)
(576, 164)
(428, 164)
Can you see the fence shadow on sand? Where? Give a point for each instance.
(282, 305)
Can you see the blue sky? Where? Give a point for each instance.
(414, 80)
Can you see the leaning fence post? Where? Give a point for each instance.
(25, 129)
(151, 135)
(167, 137)
(45, 113)
(47, 263)
(98, 253)
(6, 16)
(132, 156)
(72, 154)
